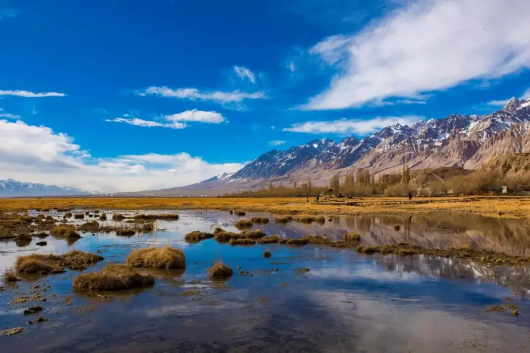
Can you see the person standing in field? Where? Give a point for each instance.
(410, 196)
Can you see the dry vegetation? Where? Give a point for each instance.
(48, 264)
(196, 236)
(166, 216)
(112, 277)
(244, 241)
(65, 231)
(162, 258)
(224, 237)
(243, 224)
(253, 234)
(259, 220)
(270, 240)
(10, 276)
(220, 271)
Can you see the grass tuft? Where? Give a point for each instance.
(253, 234)
(65, 231)
(270, 239)
(220, 271)
(196, 236)
(165, 258)
(243, 224)
(260, 220)
(111, 278)
(352, 237)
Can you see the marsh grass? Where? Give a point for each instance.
(79, 216)
(10, 276)
(92, 226)
(253, 234)
(125, 232)
(239, 213)
(48, 264)
(117, 217)
(112, 277)
(311, 219)
(196, 236)
(273, 239)
(316, 239)
(65, 231)
(217, 230)
(220, 271)
(23, 238)
(295, 242)
(166, 216)
(224, 237)
(352, 237)
(157, 258)
(260, 220)
(267, 254)
(283, 219)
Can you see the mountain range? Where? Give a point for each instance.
(465, 141)
(13, 188)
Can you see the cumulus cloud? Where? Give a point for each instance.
(174, 120)
(8, 115)
(276, 143)
(28, 94)
(194, 94)
(358, 127)
(38, 154)
(244, 73)
(425, 46)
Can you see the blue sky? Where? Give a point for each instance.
(133, 94)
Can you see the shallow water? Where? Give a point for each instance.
(347, 302)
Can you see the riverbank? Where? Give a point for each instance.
(488, 206)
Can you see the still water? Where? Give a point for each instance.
(347, 301)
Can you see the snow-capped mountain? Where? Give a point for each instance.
(13, 188)
(220, 177)
(458, 140)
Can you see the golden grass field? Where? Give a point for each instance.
(514, 207)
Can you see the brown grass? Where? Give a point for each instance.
(103, 217)
(260, 220)
(352, 237)
(112, 277)
(220, 271)
(23, 238)
(196, 236)
(311, 219)
(118, 217)
(48, 264)
(270, 239)
(242, 242)
(167, 216)
(316, 239)
(68, 215)
(243, 224)
(239, 213)
(79, 216)
(92, 226)
(148, 227)
(217, 230)
(125, 232)
(253, 234)
(165, 258)
(65, 231)
(224, 237)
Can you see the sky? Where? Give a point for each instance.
(130, 95)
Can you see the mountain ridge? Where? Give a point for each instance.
(14, 188)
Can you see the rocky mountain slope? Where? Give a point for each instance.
(13, 188)
(463, 141)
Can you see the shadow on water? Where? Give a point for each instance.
(346, 302)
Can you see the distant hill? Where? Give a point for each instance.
(14, 188)
(422, 177)
(516, 163)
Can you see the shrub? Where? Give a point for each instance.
(196, 236)
(111, 278)
(253, 234)
(259, 220)
(220, 271)
(352, 237)
(167, 257)
(283, 219)
(243, 223)
(269, 240)
(118, 217)
(242, 242)
(64, 231)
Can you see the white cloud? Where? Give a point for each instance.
(146, 123)
(28, 94)
(499, 103)
(426, 46)
(198, 116)
(38, 154)
(291, 66)
(244, 73)
(8, 115)
(345, 126)
(276, 143)
(194, 94)
(174, 120)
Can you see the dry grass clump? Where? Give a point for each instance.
(270, 239)
(224, 237)
(68, 215)
(242, 242)
(79, 216)
(239, 213)
(112, 277)
(172, 216)
(103, 217)
(316, 239)
(10, 276)
(267, 254)
(243, 224)
(220, 271)
(148, 227)
(283, 219)
(64, 231)
(352, 237)
(259, 220)
(48, 264)
(294, 241)
(92, 226)
(78, 260)
(217, 230)
(196, 236)
(166, 258)
(253, 234)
